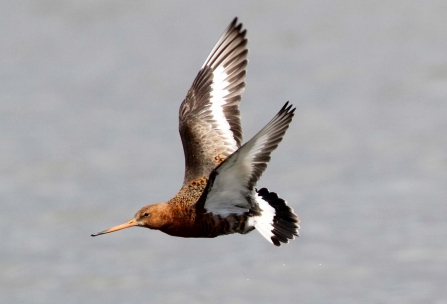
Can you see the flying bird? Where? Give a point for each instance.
(218, 195)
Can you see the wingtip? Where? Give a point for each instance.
(235, 23)
(287, 107)
(238, 27)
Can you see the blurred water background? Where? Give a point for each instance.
(89, 96)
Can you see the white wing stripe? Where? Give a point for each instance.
(217, 100)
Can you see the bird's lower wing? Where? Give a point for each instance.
(230, 185)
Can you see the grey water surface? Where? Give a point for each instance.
(89, 98)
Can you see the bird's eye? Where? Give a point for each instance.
(146, 214)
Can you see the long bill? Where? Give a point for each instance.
(129, 224)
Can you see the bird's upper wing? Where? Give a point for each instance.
(209, 118)
(230, 186)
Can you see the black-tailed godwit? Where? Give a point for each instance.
(218, 195)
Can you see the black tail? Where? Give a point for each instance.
(285, 222)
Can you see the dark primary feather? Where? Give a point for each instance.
(206, 141)
(272, 134)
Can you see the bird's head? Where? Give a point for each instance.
(150, 216)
